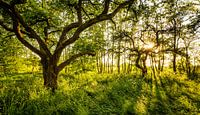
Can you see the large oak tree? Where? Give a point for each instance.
(15, 17)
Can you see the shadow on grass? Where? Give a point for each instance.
(22, 95)
(116, 94)
(157, 102)
(181, 101)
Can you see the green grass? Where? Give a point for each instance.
(100, 94)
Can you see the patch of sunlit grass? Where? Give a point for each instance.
(91, 93)
(141, 107)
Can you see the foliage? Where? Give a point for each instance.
(10, 60)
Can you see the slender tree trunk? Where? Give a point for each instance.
(152, 65)
(163, 61)
(159, 64)
(66, 53)
(188, 63)
(129, 65)
(155, 62)
(100, 63)
(118, 56)
(104, 61)
(130, 61)
(97, 62)
(174, 62)
(112, 62)
(141, 63)
(124, 63)
(182, 64)
(108, 63)
(144, 70)
(175, 46)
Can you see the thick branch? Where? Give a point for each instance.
(66, 30)
(13, 12)
(46, 30)
(72, 58)
(81, 28)
(89, 23)
(22, 40)
(106, 7)
(31, 31)
(11, 29)
(137, 61)
(79, 14)
(69, 27)
(176, 51)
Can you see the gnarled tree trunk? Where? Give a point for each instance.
(50, 74)
(142, 66)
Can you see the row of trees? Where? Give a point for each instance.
(156, 31)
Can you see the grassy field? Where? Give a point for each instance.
(100, 94)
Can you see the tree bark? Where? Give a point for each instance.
(188, 62)
(174, 62)
(118, 56)
(141, 60)
(50, 74)
(108, 62)
(175, 45)
(144, 70)
(97, 62)
(163, 61)
(152, 65)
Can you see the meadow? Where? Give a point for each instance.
(91, 93)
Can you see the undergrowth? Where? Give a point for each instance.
(100, 94)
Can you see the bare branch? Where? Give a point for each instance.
(127, 2)
(72, 58)
(106, 7)
(85, 13)
(22, 40)
(115, 25)
(54, 31)
(66, 30)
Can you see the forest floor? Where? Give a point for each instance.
(101, 94)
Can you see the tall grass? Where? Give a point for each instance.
(100, 94)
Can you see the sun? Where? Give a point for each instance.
(149, 45)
